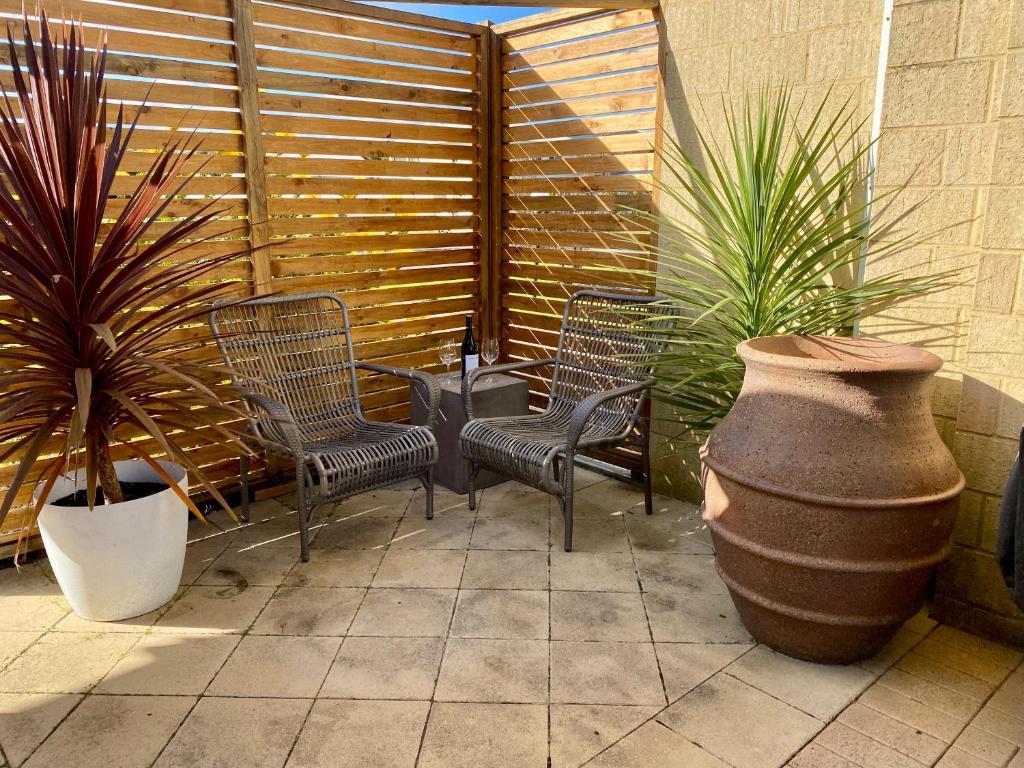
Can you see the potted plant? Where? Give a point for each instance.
(95, 334)
(829, 494)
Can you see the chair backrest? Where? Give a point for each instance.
(607, 340)
(296, 349)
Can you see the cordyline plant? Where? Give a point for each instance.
(775, 226)
(91, 334)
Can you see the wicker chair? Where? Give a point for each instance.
(600, 379)
(291, 359)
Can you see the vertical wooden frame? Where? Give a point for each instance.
(252, 138)
(490, 182)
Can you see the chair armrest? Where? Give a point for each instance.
(470, 379)
(586, 408)
(278, 424)
(428, 381)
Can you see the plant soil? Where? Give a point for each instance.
(131, 491)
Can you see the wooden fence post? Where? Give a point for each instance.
(252, 138)
(490, 182)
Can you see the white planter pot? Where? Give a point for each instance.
(117, 561)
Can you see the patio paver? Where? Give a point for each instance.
(473, 640)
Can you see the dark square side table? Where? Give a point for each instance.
(500, 396)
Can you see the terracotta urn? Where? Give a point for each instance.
(829, 493)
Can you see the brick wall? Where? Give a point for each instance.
(953, 130)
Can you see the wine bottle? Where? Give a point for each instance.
(470, 353)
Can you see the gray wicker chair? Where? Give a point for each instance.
(600, 379)
(291, 359)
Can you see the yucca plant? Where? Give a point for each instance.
(91, 332)
(774, 226)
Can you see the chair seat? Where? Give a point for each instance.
(370, 453)
(519, 445)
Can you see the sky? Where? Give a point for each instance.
(470, 13)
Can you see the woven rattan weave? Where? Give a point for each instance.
(601, 375)
(291, 359)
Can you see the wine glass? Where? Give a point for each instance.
(449, 352)
(489, 352)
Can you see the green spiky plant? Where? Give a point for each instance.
(100, 312)
(774, 228)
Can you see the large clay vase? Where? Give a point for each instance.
(829, 494)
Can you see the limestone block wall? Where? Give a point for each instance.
(952, 117)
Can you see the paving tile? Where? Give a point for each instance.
(605, 673)
(446, 504)
(945, 677)
(65, 662)
(899, 646)
(820, 690)
(994, 653)
(336, 568)
(280, 531)
(355, 533)
(913, 713)
(598, 616)
(679, 618)
(672, 572)
(198, 558)
(285, 667)
(510, 499)
(655, 746)
(611, 498)
(360, 734)
(590, 534)
(921, 622)
(384, 668)
(486, 736)
(28, 718)
(593, 571)
(904, 738)
(439, 533)
(169, 664)
(510, 671)
(578, 732)
(496, 569)
(861, 749)
(958, 758)
(384, 502)
(421, 568)
(667, 532)
(980, 743)
(404, 613)
(236, 733)
(27, 613)
(309, 611)
(963, 660)
(684, 666)
(740, 724)
(1010, 696)
(212, 610)
(919, 689)
(1005, 726)
(112, 731)
(816, 756)
(501, 613)
(138, 624)
(527, 530)
(33, 579)
(12, 644)
(261, 567)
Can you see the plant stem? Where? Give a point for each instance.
(107, 474)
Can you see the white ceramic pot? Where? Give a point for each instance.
(117, 561)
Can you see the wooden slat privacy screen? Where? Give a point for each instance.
(422, 168)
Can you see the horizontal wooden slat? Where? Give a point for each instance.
(581, 127)
(593, 46)
(286, 185)
(590, 203)
(366, 148)
(343, 245)
(375, 110)
(334, 206)
(558, 33)
(574, 89)
(594, 105)
(573, 70)
(329, 224)
(639, 141)
(579, 184)
(588, 164)
(327, 126)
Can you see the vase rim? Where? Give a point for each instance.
(841, 354)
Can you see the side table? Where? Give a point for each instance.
(500, 396)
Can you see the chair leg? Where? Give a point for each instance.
(243, 470)
(473, 470)
(427, 479)
(300, 508)
(567, 494)
(646, 452)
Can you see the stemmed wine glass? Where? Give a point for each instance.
(489, 352)
(449, 353)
